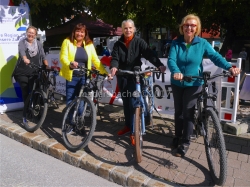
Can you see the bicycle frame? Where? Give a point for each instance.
(138, 94)
(89, 86)
(140, 102)
(38, 81)
(205, 95)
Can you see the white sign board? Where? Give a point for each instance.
(13, 24)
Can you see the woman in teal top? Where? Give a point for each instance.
(185, 58)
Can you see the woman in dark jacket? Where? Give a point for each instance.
(127, 53)
(30, 50)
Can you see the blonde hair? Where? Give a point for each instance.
(130, 21)
(187, 17)
(31, 27)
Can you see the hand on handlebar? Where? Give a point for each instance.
(234, 71)
(162, 68)
(73, 65)
(26, 61)
(178, 76)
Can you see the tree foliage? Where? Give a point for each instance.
(49, 13)
(229, 17)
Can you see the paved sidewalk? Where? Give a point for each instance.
(112, 157)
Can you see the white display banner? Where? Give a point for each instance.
(245, 90)
(13, 24)
(110, 94)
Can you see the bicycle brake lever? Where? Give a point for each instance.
(187, 78)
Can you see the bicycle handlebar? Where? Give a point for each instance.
(92, 71)
(136, 72)
(223, 74)
(43, 67)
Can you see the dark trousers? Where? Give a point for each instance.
(127, 86)
(184, 103)
(26, 83)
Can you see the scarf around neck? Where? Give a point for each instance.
(32, 48)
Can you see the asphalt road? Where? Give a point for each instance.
(21, 166)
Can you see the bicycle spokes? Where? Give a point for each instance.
(78, 123)
(35, 110)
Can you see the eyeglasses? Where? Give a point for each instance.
(189, 25)
(31, 33)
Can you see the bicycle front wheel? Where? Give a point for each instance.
(79, 123)
(35, 110)
(138, 135)
(215, 147)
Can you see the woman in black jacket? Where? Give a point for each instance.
(127, 53)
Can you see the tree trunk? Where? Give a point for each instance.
(145, 34)
(228, 41)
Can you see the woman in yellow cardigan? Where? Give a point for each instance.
(77, 50)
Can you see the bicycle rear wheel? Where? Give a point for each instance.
(215, 147)
(79, 123)
(149, 104)
(50, 92)
(35, 110)
(138, 135)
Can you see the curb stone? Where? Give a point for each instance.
(125, 176)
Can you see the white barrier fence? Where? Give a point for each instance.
(228, 112)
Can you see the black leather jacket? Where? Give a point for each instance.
(127, 58)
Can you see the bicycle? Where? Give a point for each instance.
(36, 105)
(143, 106)
(50, 87)
(207, 124)
(80, 114)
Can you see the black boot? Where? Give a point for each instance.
(182, 150)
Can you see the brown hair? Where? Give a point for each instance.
(187, 17)
(80, 26)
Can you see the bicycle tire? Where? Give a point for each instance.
(138, 135)
(51, 90)
(215, 147)
(35, 112)
(83, 124)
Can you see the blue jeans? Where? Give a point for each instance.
(73, 88)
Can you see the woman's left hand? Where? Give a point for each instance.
(162, 69)
(235, 71)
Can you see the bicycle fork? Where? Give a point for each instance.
(139, 102)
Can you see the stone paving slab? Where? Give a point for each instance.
(112, 157)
